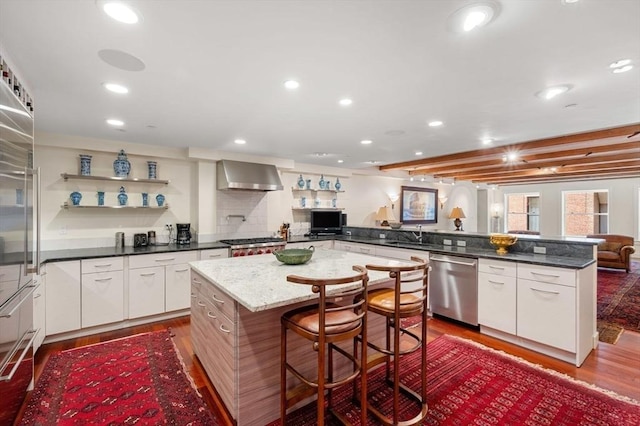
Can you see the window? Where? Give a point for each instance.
(585, 212)
(523, 212)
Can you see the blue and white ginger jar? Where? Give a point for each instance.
(160, 200)
(121, 166)
(122, 197)
(338, 185)
(75, 198)
(321, 183)
(85, 165)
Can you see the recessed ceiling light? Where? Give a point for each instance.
(473, 16)
(320, 154)
(512, 156)
(345, 102)
(120, 12)
(570, 1)
(239, 141)
(291, 84)
(366, 142)
(115, 122)
(622, 69)
(411, 179)
(116, 88)
(373, 161)
(418, 152)
(487, 141)
(340, 161)
(552, 92)
(620, 63)
(435, 123)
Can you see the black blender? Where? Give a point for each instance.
(183, 233)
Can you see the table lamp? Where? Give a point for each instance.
(383, 216)
(457, 214)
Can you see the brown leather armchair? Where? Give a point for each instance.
(615, 251)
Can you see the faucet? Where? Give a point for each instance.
(418, 236)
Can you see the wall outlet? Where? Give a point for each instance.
(446, 242)
(348, 232)
(461, 243)
(382, 236)
(540, 250)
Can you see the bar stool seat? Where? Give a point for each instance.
(325, 324)
(407, 298)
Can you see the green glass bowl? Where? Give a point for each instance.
(294, 256)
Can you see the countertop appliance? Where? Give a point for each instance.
(19, 259)
(183, 233)
(453, 287)
(254, 246)
(139, 240)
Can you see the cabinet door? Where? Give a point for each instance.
(497, 302)
(102, 298)
(146, 291)
(547, 314)
(355, 247)
(177, 287)
(62, 297)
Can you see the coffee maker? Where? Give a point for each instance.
(183, 233)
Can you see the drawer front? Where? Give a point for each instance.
(214, 254)
(547, 274)
(103, 264)
(220, 300)
(102, 298)
(498, 267)
(547, 314)
(162, 259)
(227, 355)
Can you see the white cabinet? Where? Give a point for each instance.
(547, 306)
(355, 247)
(401, 253)
(328, 244)
(497, 294)
(39, 308)
(159, 282)
(102, 291)
(209, 254)
(62, 297)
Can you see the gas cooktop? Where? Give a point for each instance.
(250, 241)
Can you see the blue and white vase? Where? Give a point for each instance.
(75, 198)
(121, 166)
(334, 203)
(101, 198)
(338, 185)
(152, 166)
(160, 200)
(300, 182)
(308, 183)
(321, 182)
(327, 184)
(303, 202)
(85, 165)
(145, 199)
(122, 197)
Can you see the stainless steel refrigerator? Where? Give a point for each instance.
(19, 251)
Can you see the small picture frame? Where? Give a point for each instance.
(419, 205)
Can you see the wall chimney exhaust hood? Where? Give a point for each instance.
(248, 176)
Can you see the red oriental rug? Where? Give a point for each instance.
(618, 302)
(470, 384)
(136, 380)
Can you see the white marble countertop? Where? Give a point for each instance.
(260, 282)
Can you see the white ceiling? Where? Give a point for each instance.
(215, 72)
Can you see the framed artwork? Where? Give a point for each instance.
(419, 205)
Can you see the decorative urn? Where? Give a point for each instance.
(122, 197)
(502, 242)
(121, 165)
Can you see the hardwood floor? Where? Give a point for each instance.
(612, 367)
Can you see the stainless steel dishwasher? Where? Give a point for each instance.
(453, 287)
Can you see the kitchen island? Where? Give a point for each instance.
(235, 323)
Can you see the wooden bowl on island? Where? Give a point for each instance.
(502, 242)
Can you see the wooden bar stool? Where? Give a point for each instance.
(334, 319)
(407, 298)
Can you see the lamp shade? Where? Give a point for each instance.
(383, 214)
(457, 213)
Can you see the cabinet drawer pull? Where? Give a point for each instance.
(169, 259)
(196, 281)
(201, 304)
(182, 270)
(496, 282)
(544, 291)
(37, 295)
(496, 267)
(544, 275)
(215, 299)
(211, 256)
(103, 279)
(194, 295)
(210, 315)
(224, 329)
(150, 274)
(104, 265)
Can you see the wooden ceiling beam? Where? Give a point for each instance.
(536, 144)
(586, 175)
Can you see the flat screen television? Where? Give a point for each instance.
(326, 221)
